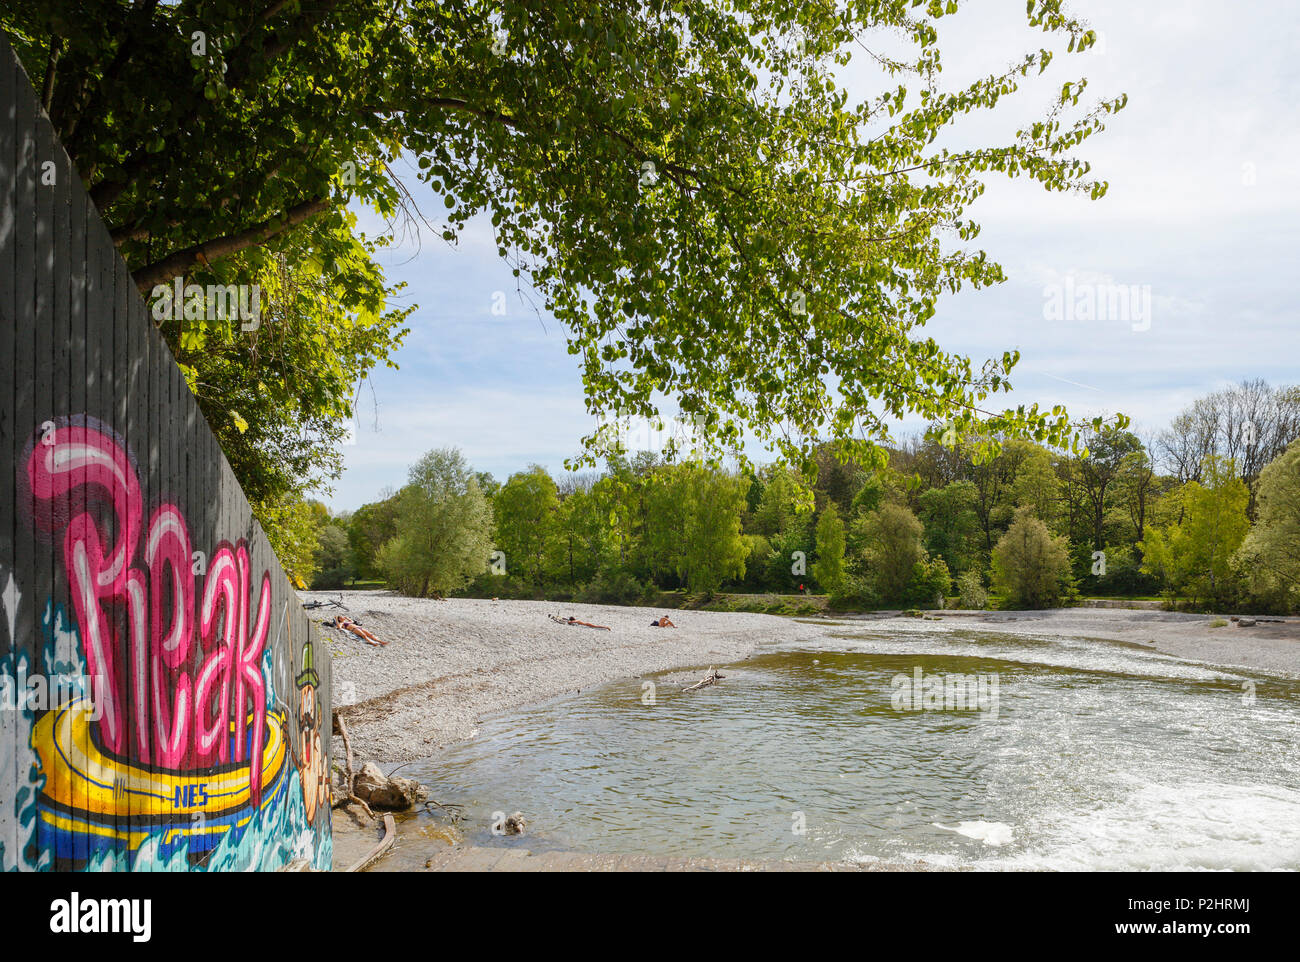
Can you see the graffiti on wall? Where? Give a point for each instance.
(312, 762)
(171, 747)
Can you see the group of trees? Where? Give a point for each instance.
(1031, 526)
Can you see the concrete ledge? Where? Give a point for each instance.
(469, 858)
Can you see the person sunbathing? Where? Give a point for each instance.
(574, 621)
(344, 623)
(662, 623)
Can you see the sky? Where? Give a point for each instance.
(1200, 218)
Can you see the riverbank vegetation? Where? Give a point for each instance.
(1205, 513)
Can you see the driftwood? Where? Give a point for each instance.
(711, 678)
(453, 811)
(375, 854)
(341, 728)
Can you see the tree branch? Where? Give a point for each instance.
(180, 261)
(51, 65)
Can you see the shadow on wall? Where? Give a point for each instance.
(162, 698)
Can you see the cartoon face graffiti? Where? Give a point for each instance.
(311, 751)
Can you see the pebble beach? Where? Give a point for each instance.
(449, 663)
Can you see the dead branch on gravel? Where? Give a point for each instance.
(349, 796)
(711, 678)
(378, 852)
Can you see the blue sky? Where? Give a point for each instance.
(1204, 168)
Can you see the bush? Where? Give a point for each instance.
(929, 583)
(828, 569)
(444, 526)
(506, 586)
(757, 559)
(1268, 562)
(612, 586)
(970, 591)
(332, 559)
(892, 538)
(291, 529)
(1124, 575)
(856, 594)
(777, 573)
(330, 579)
(1030, 567)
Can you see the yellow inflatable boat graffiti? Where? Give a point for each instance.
(92, 801)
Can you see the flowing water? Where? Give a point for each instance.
(1063, 754)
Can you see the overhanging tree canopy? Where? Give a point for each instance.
(686, 183)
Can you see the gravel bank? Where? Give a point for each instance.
(449, 663)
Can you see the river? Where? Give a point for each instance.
(1015, 753)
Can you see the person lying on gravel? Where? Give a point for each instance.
(344, 623)
(662, 623)
(574, 621)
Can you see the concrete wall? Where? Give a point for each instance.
(160, 705)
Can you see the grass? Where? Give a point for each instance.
(1121, 598)
(778, 604)
(767, 604)
(353, 586)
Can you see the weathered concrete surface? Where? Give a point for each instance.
(438, 849)
(354, 836)
(469, 858)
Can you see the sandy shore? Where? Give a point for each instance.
(450, 663)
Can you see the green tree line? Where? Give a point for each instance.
(1029, 526)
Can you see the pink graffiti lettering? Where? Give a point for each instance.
(168, 550)
(219, 713)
